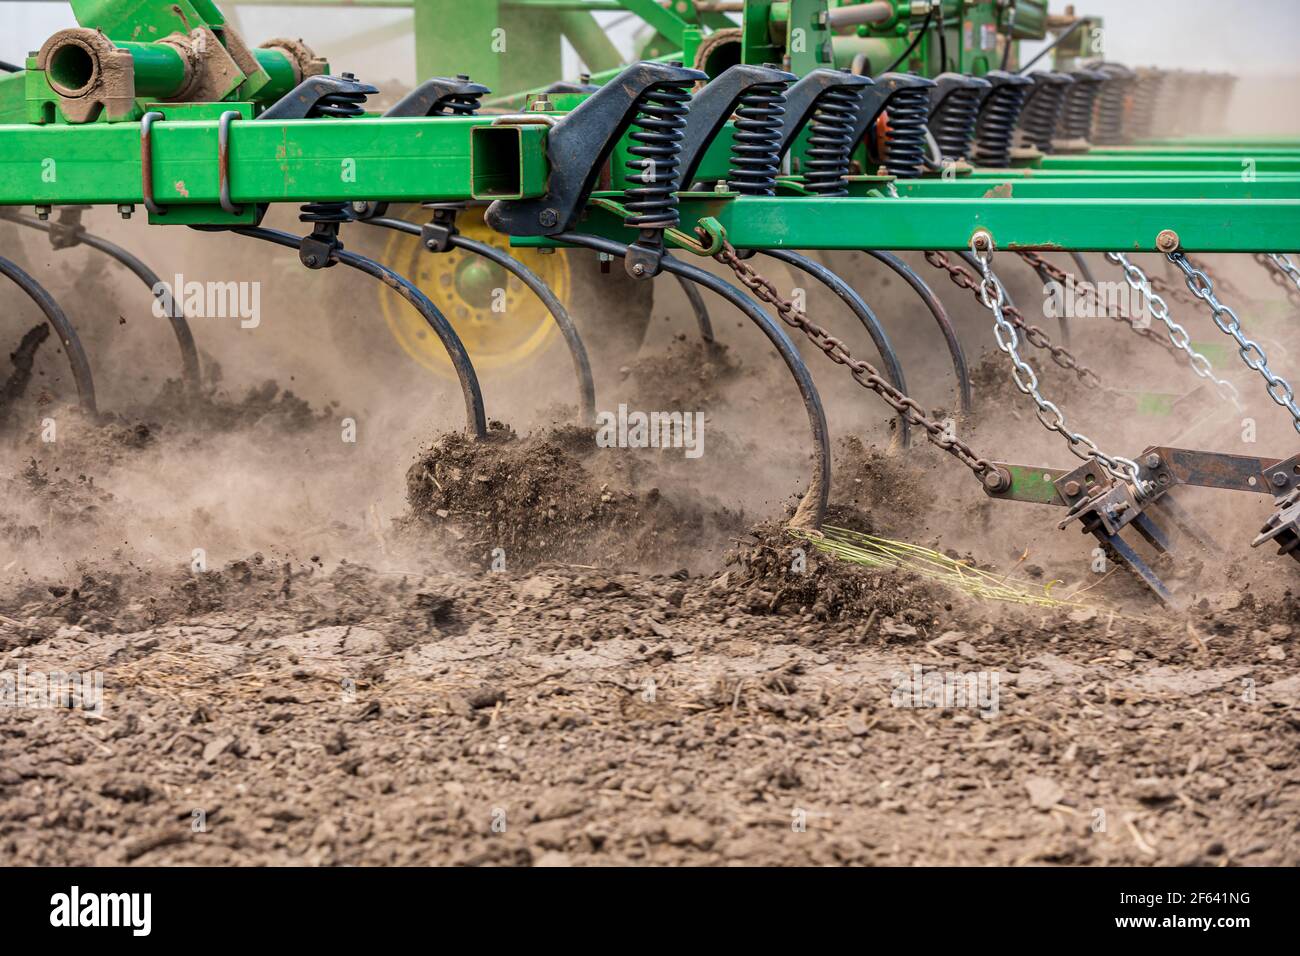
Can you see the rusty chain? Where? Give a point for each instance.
(1060, 276)
(864, 373)
(1283, 273)
(1035, 336)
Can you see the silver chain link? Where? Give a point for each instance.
(1202, 287)
(1022, 373)
(1139, 283)
(1284, 263)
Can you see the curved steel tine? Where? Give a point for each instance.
(965, 397)
(812, 509)
(893, 368)
(63, 328)
(699, 308)
(476, 417)
(534, 282)
(176, 314)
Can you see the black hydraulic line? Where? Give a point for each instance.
(965, 395)
(893, 368)
(812, 509)
(176, 313)
(62, 328)
(911, 46)
(1051, 46)
(476, 417)
(7, 67)
(943, 39)
(699, 308)
(577, 350)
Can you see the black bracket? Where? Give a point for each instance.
(712, 106)
(436, 96)
(801, 100)
(437, 234)
(578, 147)
(66, 231)
(302, 101)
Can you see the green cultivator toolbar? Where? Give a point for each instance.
(798, 125)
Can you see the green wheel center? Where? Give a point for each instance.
(478, 281)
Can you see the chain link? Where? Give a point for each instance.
(863, 373)
(1036, 337)
(1052, 418)
(1203, 288)
(1062, 278)
(1179, 336)
(1283, 272)
(1172, 290)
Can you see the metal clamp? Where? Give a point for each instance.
(146, 162)
(223, 161)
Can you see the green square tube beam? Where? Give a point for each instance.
(369, 158)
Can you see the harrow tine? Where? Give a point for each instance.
(176, 314)
(63, 328)
(1139, 567)
(700, 309)
(812, 508)
(476, 417)
(1168, 506)
(965, 394)
(893, 368)
(577, 351)
(534, 282)
(1153, 533)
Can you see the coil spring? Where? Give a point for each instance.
(462, 103)
(1108, 117)
(340, 105)
(1042, 113)
(831, 142)
(657, 132)
(953, 123)
(335, 106)
(907, 118)
(325, 212)
(756, 148)
(997, 124)
(1076, 118)
(1146, 95)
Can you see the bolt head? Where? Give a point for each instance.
(310, 260)
(1279, 479)
(1168, 241)
(638, 269)
(548, 217)
(1152, 461)
(996, 480)
(1072, 488)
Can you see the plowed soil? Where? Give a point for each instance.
(307, 658)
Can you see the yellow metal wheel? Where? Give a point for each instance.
(501, 322)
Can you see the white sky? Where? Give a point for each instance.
(1248, 37)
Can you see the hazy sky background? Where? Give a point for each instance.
(1249, 37)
